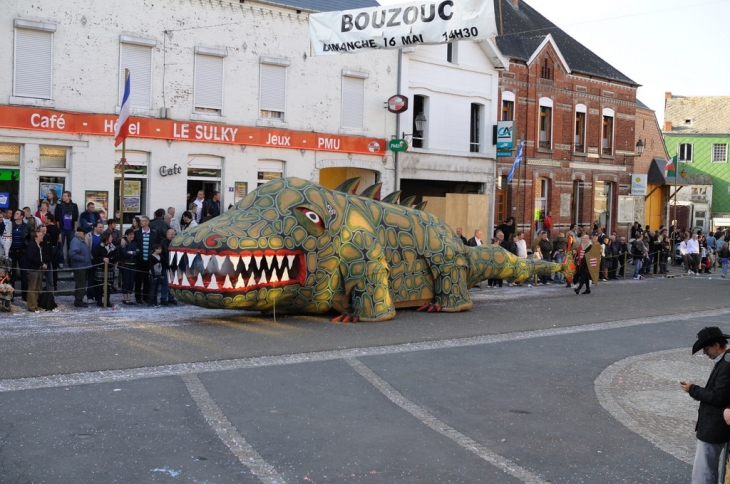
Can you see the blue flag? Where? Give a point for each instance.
(518, 160)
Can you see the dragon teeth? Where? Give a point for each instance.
(246, 262)
(280, 261)
(290, 259)
(234, 260)
(285, 276)
(269, 260)
(251, 281)
(227, 284)
(199, 282)
(257, 260)
(263, 279)
(274, 278)
(240, 283)
(213, 283)
(171, 257)
(206, 260)
(219, 260)
(184, 281)
(191, 260)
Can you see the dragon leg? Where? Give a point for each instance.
(366, 281)
(451, 293)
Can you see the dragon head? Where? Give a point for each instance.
(272, 250)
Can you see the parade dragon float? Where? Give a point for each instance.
(297, 247)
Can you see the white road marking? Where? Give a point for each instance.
(225, 430)
(443, 428)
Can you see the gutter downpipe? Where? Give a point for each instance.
(396, 181)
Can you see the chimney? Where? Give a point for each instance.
(667, 95)
(667, 125)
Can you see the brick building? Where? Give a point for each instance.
(577, 114)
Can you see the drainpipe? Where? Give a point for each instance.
(396, 181)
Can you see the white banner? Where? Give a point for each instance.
(401, 25)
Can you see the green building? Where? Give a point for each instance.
(697, 131)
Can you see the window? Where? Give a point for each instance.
(9, 155)
(420, 105)
(272, 98)
(719, 153)
(684, 152)
(452, 53)
(508, 106)
(269, 170)
(136, 55)
(546, 123)
(53, 157)
(208, 92)
(353, 99)
(475, 128)
(546, 71)
(33, 67)
(607, 132)
(579, 134)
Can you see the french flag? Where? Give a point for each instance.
(122, 129)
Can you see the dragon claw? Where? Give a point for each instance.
(346, 318)
(430, 307)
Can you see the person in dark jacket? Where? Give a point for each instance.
(67, 217)
(145, 238)
(104, 252)
(18, 253)
(52, 240)
(79, 256)
(36, 265)
(90, 217)
(711, 430)
(159, 225)
(129, 250)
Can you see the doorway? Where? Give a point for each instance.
(207, 186)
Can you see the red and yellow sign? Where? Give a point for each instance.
(103, 124)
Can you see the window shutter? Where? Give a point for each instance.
(273, 88)
(33, 63)
(353, 102)
(138, 59)
(208, 82)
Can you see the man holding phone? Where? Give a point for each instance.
(712, 431)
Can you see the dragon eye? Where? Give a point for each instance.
(312, 215)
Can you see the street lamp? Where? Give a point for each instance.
(640, 147)
(420, 122)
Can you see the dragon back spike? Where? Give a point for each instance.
(349, 186)
(392, 197)
(373, 191)
(408, 202)
(421, 206)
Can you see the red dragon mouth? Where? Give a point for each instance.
(214, 272)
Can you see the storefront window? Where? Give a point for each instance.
(53, 157)
(9, 155)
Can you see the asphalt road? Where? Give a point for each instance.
(510, 392)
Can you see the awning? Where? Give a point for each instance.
(657, 171)
(721, 222)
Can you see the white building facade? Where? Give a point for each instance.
(225, 96)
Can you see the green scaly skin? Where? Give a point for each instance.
(297, 247)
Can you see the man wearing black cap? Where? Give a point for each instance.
(712, 431)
